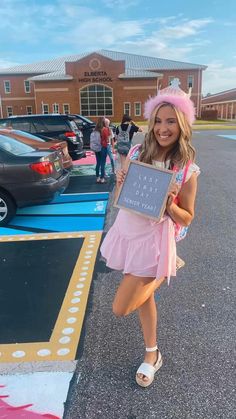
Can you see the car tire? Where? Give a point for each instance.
(7, 208)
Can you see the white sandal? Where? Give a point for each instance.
(149, 370)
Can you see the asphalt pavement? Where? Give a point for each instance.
(196, 318)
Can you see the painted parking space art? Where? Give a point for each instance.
(228, 137)
(36, 325)
(69, 212)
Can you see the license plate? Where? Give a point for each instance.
(57, 166)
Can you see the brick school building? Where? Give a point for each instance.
(100, 83)
(224, 103)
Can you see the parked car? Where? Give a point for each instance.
(57, 126)
(87, 126)
(41, 144)
(27, 176)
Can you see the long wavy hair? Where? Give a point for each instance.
(182, 150)
(100, 124)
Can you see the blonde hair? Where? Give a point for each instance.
(182, 150)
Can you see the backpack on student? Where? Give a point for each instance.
(123, 141)
(95, 141)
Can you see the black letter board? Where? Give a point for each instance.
(145, 190)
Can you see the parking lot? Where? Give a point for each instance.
(51, 277)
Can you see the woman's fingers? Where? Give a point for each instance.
(120, 176)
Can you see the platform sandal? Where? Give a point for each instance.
(149, 370)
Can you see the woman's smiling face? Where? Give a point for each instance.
(166, 128)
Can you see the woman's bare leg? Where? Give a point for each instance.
(133, 291)
(138, 293)
(122, 161)
(148, 319)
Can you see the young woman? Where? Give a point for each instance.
(110, 146)
(101, 155)
(145, 250)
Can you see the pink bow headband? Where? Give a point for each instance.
(174, 96)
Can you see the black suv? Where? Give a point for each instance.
(87, 126)
(59, 126)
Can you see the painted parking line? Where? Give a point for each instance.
(228, 137)
(69, 208)
(68, 212)
(60, 223)
(62, 341)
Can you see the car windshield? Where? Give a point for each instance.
(13, 146)
(27, 135)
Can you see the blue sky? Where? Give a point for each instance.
(201, 32)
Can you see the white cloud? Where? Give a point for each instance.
(121, 4)
(101, 33)
(218, 77)
(7, 63)
(185, 28)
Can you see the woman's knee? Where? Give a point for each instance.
(119, 310)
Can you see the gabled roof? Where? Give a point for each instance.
(226, 95)
(131, 73)
(132, 61)
(57, 75)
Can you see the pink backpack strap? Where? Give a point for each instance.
(186, 171)
(133, 152)
(176, 169)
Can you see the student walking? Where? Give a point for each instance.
(110, 146)
(124, 135)
(102, 133)
(143, 249)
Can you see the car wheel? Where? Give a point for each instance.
(7, 208)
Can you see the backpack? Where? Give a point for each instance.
(123, 141)
(181, 231)
(95, 141)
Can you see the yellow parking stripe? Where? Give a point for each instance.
(66, 333)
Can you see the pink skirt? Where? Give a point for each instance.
(141, 247)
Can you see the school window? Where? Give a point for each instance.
(45, 109)
(96, 100)
(66, 108)
(27, 86)
(170, 79)
(7, 86)
(9, 111)
(29, 110)
(127, 108)
(190, 81)
(137, 108)
(55, 108)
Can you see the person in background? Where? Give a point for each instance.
(110, 146)
(102, 155)
(124, 135)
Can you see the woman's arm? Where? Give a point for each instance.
(183, 212)
(120, 176)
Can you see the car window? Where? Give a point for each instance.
(27, 135)
(21, 125)
(13, 146)
(84, 119)
(56, 124)
(38, 126)
(73, 126)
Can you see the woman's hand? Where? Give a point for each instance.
(120, 177)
